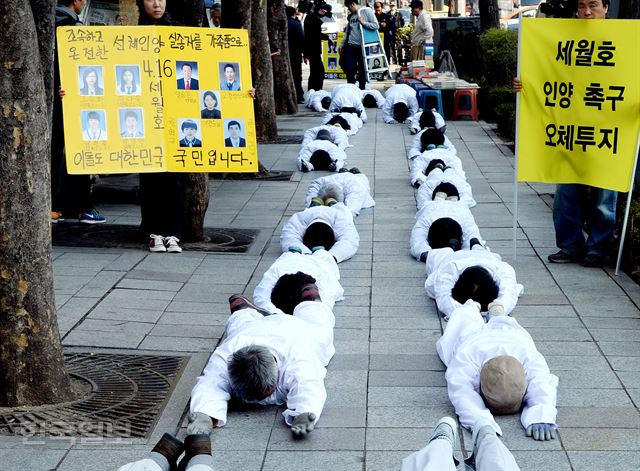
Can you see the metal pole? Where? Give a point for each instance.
(515, 170)
(626, 211)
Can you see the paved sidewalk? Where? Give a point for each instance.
(385, 385)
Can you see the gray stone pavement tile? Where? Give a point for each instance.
(313, 461)
(322, 439)
(137, 299)
(605, 307)
(186, 262)
(343, 416)
(126, 261)
(570, 397)
(403, 439)
(634, 394)
(100, 284)
(178, 344)
(349, 362)
(128, 283)
(399, 347)
(624, 363)
(541, 299)
(404, 335)
(561, 347)
(534, 321)
(38, 458)
(352, 322)
(407, 396)
(197, 292)
(405, 362)
(428, 309)
(385, 460)
(109, 334)
(576, 334)
(245, 438)
(117, 313)
(576, 362)
(599, 460)
(69, 284)
(383, 378)
(356, 300)
(359, 347)
(631, 334)
(600, 379)
(190, 307)
(586, 439)
(359, 334)
(622, 348)
(80, 258)
(535, 460)
(599, 417)
(611, 323)
(156, 276)
(60, 269)
(410, 417)
(101, 459)
(181, 331)
(630, 379)
(425, 322)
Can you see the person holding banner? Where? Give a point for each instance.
(569, 215)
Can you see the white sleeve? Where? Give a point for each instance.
(338, 156)
(347, 237)
(418, 241)
(314, 188)
(304, 381)
(262, 292)
(439, 120)
(443, 282)
(540, 398)
(292, 234)
(340, 137)
(416, 147)
(414, 122)
(418, 167)
(316, 104)
(387, 108)
(355, 196)
(211, 393)
(449, 145)
(308, 136)
(304, 155)
(463, 321)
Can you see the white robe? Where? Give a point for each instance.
(414, 121)
(434, 210)
(347, 95)
(376, 94)
(435, 178)
(355, 123)
(399, 93)
(302, 345)
(444, 267)
(416, 146)
(337, 216)
(356, 189)
(313, 99)
(420, 163)
(321, 265)
(338, 136)
(336, 153)
(468, 343)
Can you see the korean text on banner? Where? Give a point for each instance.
(153, 99)
(580, 101)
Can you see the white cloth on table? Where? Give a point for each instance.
(356, 189)
(338, 216)
(376, 94)
(416, 146)
(354, 122)
(336, 153)
(321, 265)
(450, 175)
(338, 135)
(434, 210)
(419, 164)
(444, 267)
(414, 121)
(468, 343)
(302, 344)
(348, 95)
(399, 93)
(313, 99)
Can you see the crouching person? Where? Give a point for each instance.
(318, 100)
(426, 119)
(347, 121)
(400, 103)
(476, 274)
(275, 359)
(349, 187)
(322, 227)
(347, 98)
(428, 139)
(321, 154)
(431, 160)
(372, 98)
(494, 368)
(444, 181)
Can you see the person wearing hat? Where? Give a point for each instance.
(328, 227)
(422, 30)
(495, 368)
(312, 49)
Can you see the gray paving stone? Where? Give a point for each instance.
(237, 439)
(599, 460)
(33, 457)
(105, 311)
(322, 439)
(397, 439)
(586, 439)
(105, 333)
(599, 417)
(411, 417)
(406, 362)
(407, 396)
(622, 348)
(406, 378)
(347, 361)
(128, 283)
(601, 379)
(101, 459)
(535, 460)
(630, 379)
(315, 461)
(569, 397)
(559, 347)
(100, 284)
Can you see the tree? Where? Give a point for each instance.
(32, 370)
(286, 100)
(489, 14)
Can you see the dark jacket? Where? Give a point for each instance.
(312, 35)
(296, 39)
(389, 30)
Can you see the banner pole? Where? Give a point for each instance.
(515, 169)
(626, 211)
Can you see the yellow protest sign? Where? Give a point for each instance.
(580, 102)
(152, 99)
(330, 57)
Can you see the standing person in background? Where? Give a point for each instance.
(216, 15)
(387, 28)
(351, 47)
(398, 23)
(313, 44)
(296, 42)
(422, 31)
(160, 193)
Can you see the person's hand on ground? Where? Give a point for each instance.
(496, 308)
(303, 424)
(200, 423)
(541, 431)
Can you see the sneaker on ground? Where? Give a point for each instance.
(156, 243)
(56, 217)
(563, 257)
(171, 243)
(446, 428)
(92, 217)
(594, 261)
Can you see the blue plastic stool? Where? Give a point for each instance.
(423, 97)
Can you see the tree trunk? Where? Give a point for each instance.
(629, 9)
(284, 91)
(32, 370)
(489, 14)
(188, 12)
(195, 186)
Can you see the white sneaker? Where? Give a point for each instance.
(446, 429)
(171, 244)
(156, 244)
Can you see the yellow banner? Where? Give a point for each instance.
(330, 57)
(580, 101)
(154, 99)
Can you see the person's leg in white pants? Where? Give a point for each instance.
(491, 454)
(436, 456)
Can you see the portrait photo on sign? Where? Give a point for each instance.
(374, 63)
(332, 63)
(190, 132)
(90, 80)
(372, 50)
(93, 125)
(131, 124)
(187, 73)
(234, 133)
(229, 76)
(210, 103)
(128, 80)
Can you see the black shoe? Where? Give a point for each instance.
(473, 242)
(194, 445)
(169, 447)
(454, 244)
(563, 257)
(355, 170)
(594, 261)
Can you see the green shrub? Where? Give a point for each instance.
(499, 56)
(506, 120)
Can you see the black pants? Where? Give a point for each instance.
(296, 71)
(161, 204)
(353, 64)
(316, 72)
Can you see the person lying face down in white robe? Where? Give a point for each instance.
(346, 97)
(427, 137)
(495, 367)
(400, 103)
(438, 178)
(442, 223)
(330, 227)
(321, 154)
(320, 265)
(426, 119)
(376, 100)
(337, 135)
(424, 164)
(347, 121)
(274, 359)
(348, 187)
(318, 100)
(454, 277)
